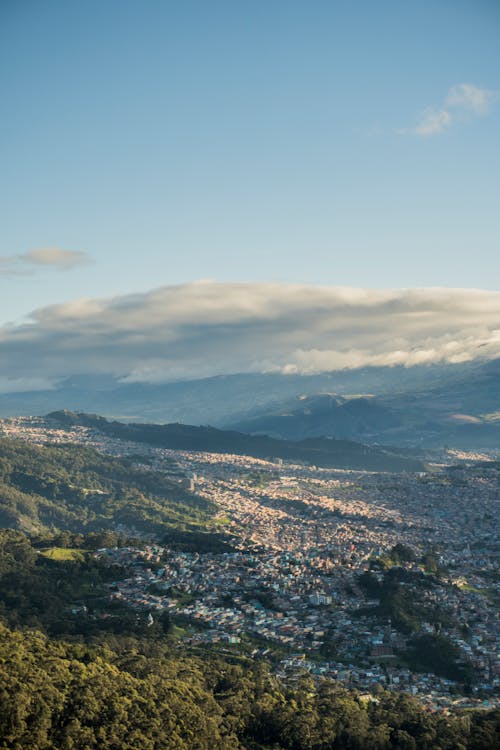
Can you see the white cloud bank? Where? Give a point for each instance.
(208, 328)
(25, 264)
(462, 102)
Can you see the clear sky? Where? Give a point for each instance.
(346, 143)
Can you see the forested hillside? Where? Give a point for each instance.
(121, 695)
(76, 488)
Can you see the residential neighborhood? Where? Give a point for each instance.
(302, 543)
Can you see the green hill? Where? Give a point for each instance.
(76, 488)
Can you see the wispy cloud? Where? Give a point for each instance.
(25, 264)
(433, 122)
(462, 102)
(207, 328)
(470, 98)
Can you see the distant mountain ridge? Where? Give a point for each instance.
(462, 411)
(419, 406)
(219, 400)
(322, 452)
(324, 415)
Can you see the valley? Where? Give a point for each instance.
(337, 573)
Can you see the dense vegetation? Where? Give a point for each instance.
(125, 696)
(40, 591)
(316, 451)
(433, 652)
(402, 603)
(76, 488)
(405, 606)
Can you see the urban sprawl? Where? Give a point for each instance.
(301, 538)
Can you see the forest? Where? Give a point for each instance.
(127, 693)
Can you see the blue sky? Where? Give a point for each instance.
(266, 141)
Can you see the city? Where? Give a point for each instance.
(306, 548)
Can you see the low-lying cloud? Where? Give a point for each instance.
(56, 258)
(208, 328)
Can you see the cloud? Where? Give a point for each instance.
(24, 264)
(56, 257)
(433, 122)
(462, 102)
(208, 328)
(470, 98)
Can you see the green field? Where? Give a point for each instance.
(63, 553)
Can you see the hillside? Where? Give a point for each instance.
(131, 696)
(76, 488)
(320, 452)
(462, 411)
(323, 415)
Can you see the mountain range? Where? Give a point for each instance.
(454, 404)
(216, 400)
(461, 409)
